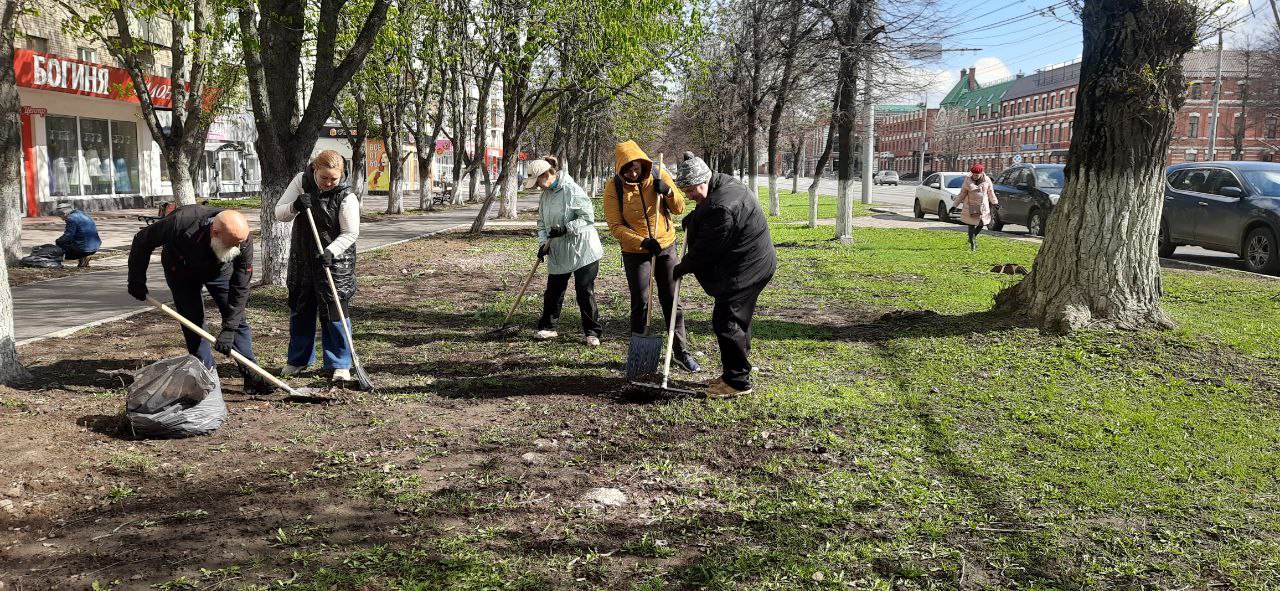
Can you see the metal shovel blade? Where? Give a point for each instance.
(642, 355)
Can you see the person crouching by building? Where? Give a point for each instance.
(322, 189)
(567, 239)
(80, 240)
(638, 205)
(731, 254)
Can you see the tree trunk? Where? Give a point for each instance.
(1098, 266)
(10, 178)
(823, 158)
(359, 168)
(795, 166)
(507, 186)
(10, 190)
(425, 179)
(180, 177)
(395, 170)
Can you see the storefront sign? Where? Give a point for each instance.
(443, 146)
(61, 74)
(1028, 147)
(39, 111)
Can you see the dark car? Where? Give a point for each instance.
(1225, 206)
(1027, 193)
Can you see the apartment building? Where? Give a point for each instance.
(902, 132)
(83, 137)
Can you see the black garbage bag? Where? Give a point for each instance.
(176, 397)
(45, 256)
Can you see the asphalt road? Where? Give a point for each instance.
(903, 196)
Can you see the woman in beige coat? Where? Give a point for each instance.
(976, 199)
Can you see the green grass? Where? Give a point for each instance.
(794, 207)
(249, 202)
(957, 451)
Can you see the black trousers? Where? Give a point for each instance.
(72, 254)
(584, 284)
(188, 300)
(731, 321)
(638, 268)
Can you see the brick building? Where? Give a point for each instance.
(969, 123)
(901, 133)
(1034, 119)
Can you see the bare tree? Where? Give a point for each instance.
(1098, 265)
(10, 182)
(273, 38)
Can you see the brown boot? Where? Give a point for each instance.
(84, 262)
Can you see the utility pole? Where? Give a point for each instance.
(868, 140)
(924, 136)
(1217, 97)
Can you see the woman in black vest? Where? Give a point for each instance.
(324, 190)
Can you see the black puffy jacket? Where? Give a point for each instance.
(730, 248)
(187, 256)
(305, 271)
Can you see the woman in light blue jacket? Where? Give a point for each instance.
(567, 239)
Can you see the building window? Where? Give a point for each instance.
(1195, 90)
(1193, 126)
(92, 156)
(229, 168)
(1271, 127)
(1244, 90)
(1190, 155)
(39, 44)
(87, 54)
(166, 72)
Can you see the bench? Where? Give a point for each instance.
(441, 194)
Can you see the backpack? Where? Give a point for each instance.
(617, 190)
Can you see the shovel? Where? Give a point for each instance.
(666, 387)
(304, 394)
(362, 378)
(644, 349)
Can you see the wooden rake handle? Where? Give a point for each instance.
(204, 334)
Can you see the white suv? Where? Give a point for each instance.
(885, 177)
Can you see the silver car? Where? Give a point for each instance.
(885, 177)
(936, 193)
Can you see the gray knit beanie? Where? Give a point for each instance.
(691, 170)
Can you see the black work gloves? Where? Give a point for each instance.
(304, 201)
(557, 231)
(651, 245)
(225, 338)
(661, 187)
(679, 271)
(543, 249)
(139, 292)
(325, 258)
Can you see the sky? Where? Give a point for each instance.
(1015, 36)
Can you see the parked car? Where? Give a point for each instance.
(1225, 206)
(1027, 193)
(885, 177)
(937, 193)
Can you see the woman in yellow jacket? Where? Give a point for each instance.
(639, 205)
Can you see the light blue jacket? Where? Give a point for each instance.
(565, 204)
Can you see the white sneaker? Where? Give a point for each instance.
(593, 341)
(291, 370)
(543, 335)
(342, 375)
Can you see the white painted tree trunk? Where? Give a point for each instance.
(10, 146)
(813, 205)
(10, 368)
(775, 203)
(274, 241)
(184, 186)
(844, 210)
(509, 187)
(1098, 266)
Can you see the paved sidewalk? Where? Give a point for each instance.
(59, 307)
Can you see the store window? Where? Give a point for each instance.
(64, 156)
(39, 44)
(91, 156)
(229, 168)
(252, 173)
(124, 152)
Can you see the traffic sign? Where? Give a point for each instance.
(1017, 158)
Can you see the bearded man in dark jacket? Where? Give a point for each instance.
(731, 254)
(203, 248)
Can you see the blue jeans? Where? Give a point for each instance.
(189, 302)
(302, 336)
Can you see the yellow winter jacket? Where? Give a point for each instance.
(627, 223)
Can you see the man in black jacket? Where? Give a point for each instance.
(203, 247)
(732, 255)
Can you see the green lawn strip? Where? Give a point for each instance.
(878, 452)
(794, 207)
